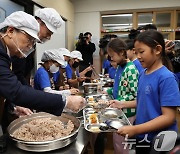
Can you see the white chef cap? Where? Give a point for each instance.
(65, 52)
(53, 54)
(76, 54)
(50, 17)
(22, 21)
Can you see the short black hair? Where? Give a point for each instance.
(87, 33)
(130, 44)
(133, 33)
(109, 58)
(147, 27)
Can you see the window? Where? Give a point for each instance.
(163, 19)
(117, 22)
(123, 36)
(145, 18)
(123, 22)
(178, 19)
(166, 35)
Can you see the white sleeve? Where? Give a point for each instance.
(64, 93)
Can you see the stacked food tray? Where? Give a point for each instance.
(99, 101)
(99, 117)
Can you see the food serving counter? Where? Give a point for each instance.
(77, 147)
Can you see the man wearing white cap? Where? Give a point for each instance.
(72, 72)
(18, 34)
(52, 59)
(49, 21)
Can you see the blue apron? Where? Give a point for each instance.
(117, 77)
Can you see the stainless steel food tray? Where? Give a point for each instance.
(104, 118)
(45, 145)
(92, 101)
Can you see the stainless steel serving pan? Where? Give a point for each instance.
(45, 145)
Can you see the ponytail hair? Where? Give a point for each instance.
(152, 38)
(118, 46)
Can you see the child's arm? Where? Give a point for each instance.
(123, 104)
(163, 121)
(82, 74)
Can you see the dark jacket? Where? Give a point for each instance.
(18, 68)
(22, 67)
(87, 51)
(13, 91)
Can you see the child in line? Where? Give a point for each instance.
(131, 54)
(125, 85)
(157, 96)
(106, 65)
(112, 70)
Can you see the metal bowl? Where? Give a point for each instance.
(44, 145)
(116, 123)
(96, 128)
(90, 89)
(112, 113)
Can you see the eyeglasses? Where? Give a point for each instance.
(31, 40)
(48, 32)
(31, 43)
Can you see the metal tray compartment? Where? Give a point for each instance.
(91, 88)
(109, 120)
(98, 97)
(45, 145)
(93, 100)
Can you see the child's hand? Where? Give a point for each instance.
(116, 104)
(169, 46)
(103, 92)
(127, 130)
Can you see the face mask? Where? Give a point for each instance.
(4, 36)
(43, 41)
(75, 64)
(23, 54)
(53, 68)
(65, 64)
(20, 50)
(29, 51)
